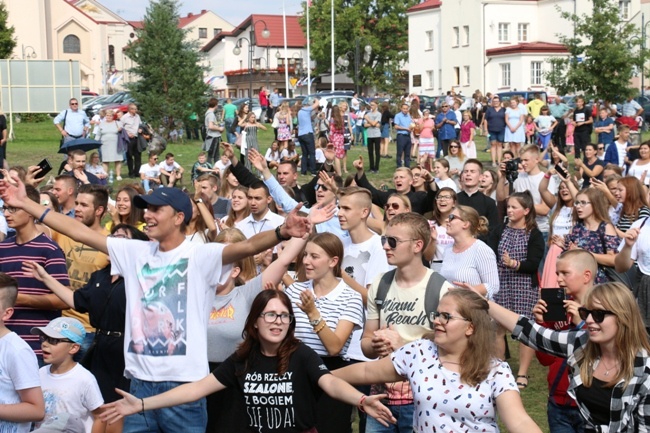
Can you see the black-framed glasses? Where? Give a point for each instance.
(581, 203)
(597, 315)
(394, 206)
(393, 241)
(452, 217)
(272, 317)
(8, 209)
(444, 318)
(320, 186)
(444, 198)
(601, 148)
(454, 147)
(53, 341)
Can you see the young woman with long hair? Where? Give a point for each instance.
(228, 184)
(456, 159)
(395, 205)
(458, 382)
(386, 119)
(329, 310)
(607, 358)
(202, 227)
(520, 249)
(336, 136)
(284, 120)
(441, 170)
(239, 208)
(631, 193)
(124, 212)
(348, 134)
(440, 240)
(278, 377)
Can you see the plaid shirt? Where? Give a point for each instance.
(629, 407)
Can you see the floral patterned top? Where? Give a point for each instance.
(442, 401)
(593, 241)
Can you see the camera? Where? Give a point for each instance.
(512, 169)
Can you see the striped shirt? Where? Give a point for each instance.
(342, 303)
(46, 253)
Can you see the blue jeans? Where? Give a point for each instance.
(186, 418)
(147, 185)
(308, 146)
(231, 136)
(403, 150)
(404, 415)
(564, 419)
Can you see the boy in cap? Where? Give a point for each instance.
(68, 388)
(21, 399)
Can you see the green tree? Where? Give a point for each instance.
(170, 79)
(605, 52)
(382, 24)
(7, 41)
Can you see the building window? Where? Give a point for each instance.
(216, 31)
(456, 36)
(504, 30)
(624, 9)
(293, 62)
(439, 78)
(522, 32)
(71, 44)
(505, 74)
(417, 80)
(430, 80)
(465, 35)
(536, 73)
(466, 71)
(203, 33)
(429, 39)
(456, 76)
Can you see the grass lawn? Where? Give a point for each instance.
(35, 141)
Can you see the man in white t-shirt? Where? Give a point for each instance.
(170, 171)
(150, 173)
(170, 284)
(401, 317)
(616, 153)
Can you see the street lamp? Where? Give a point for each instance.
(28, 52)
(343, 61)
(252, 42)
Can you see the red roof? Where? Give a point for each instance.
(274, 23)
(426, 4)
(136, 24)
(530, 47)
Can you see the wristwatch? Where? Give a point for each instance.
(198, 200)
(315, 322)
(278, 234)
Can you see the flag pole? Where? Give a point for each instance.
(332, 66)
(286, 62)
(308, 52)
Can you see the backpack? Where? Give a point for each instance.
(431, 296)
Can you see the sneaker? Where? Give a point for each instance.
(119, 178)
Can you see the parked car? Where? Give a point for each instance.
(122, 106)
(525, 94)
(326, 98)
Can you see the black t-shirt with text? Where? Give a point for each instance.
(582, 115)
(281, 404)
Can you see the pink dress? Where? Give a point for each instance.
(336, 138)
(569, 133)
(427, 143)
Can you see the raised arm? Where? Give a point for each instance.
(276, 270)
(14, 195)
(547, 197)
(38, 272)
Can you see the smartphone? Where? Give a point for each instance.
(45, 167)
(554, 299)
(561, 171)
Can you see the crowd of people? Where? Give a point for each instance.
(250, 302)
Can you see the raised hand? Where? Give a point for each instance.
(631, 236)
(373, 406)
(257, 160)
(295, 225)
(12, 190)
(30, 176)
(320, 214)
(358, 164)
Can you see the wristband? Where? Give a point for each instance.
(142, 400)
(360, 405)
(40, 220)
(320, 327)
(278, 234)
(547, 176)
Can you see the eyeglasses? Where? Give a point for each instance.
(319, 186)
(53, 341)
(444, 198)
(8, 209)
(271, 317)
(444, 318)
(597, 315)
(74, 103)
(601, 148)
(394, 206)
(445, 106)
(392, 241)
(581, 203)
(454, 147)
(452, 217)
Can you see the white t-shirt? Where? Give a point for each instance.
(286, 154)
(74, 392)
(636, 170)
(563, 222)
(443, 242)
(447, 183)
(169, 167)
(621, 148)
(641, 249)
(168, 300)
(18, 371)
(221, 166)
(363, 262)
(150, 171)
(320, 156)
(526, 182)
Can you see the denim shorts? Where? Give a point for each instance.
(385, 131)
(497, 136)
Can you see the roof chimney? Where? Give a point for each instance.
(203, 11)
(189, 15)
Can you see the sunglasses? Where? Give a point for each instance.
(394, 206)
(392, 241)
(597, 315)
(601, 148)
(454, 147)
(53, 341)
(444, 318)
(319, 186)
(452, 217)
(74, 103)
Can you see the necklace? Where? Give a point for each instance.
(608, 369)
(442, 361)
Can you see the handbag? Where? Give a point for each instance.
(275, 123)
(626, 278)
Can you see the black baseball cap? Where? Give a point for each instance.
(166, 196)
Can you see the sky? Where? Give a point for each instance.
(232, 11)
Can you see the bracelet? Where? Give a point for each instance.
(360, 405)
(320, 327)
(40, 220)
(547, 176)
(278, 234)
(142, 401)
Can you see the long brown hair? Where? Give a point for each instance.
(136, 216)
(337, 118)
(477, 358)
(436, 212)
(599, 205)
(635, 196)
(249, 351)
(560, 204)
(630, 337)
(230, 221)
(525, 199)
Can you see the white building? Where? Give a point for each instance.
(491, 45)
(231, 73)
